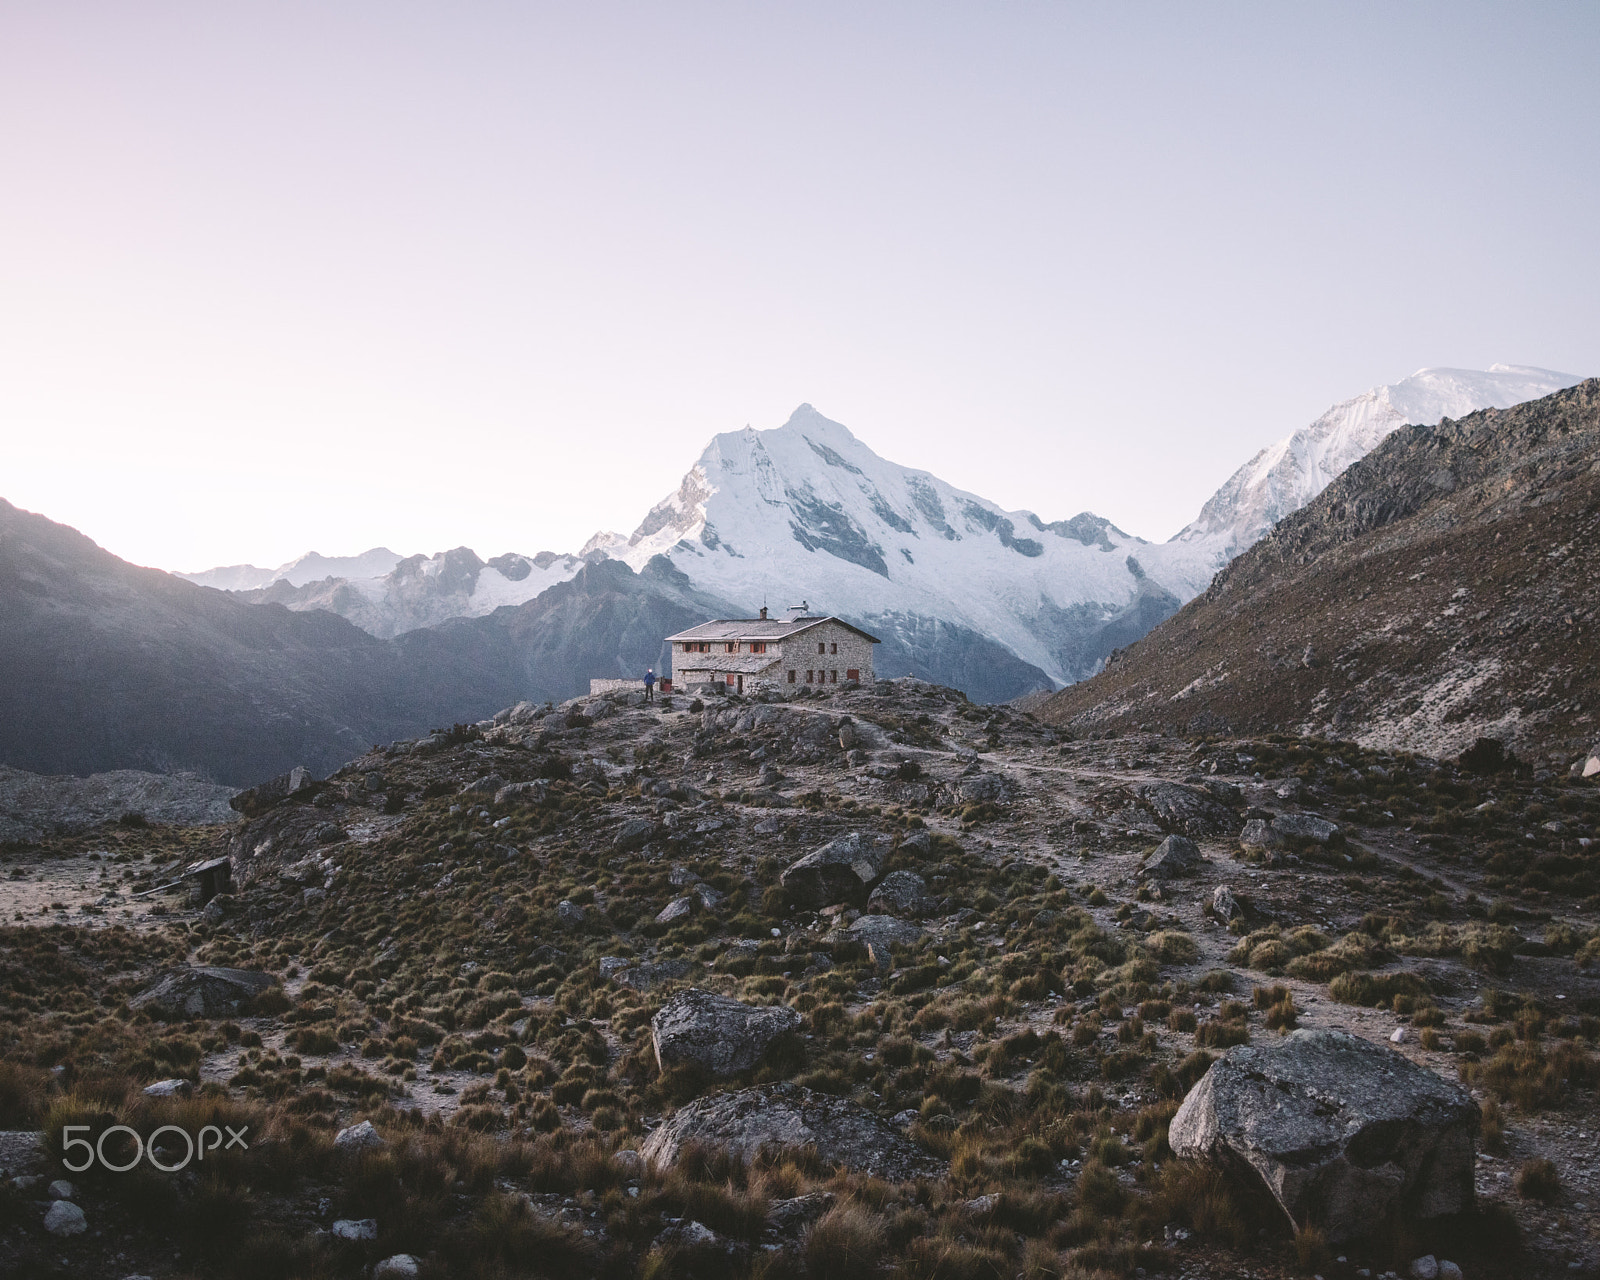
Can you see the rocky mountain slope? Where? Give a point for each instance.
(808, 510)
(1286, 475)
(1442, 589)
(110, 666)
(35, 805)
(478, 996)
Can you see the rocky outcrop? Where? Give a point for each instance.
(780, 1116)
(199, 992)
(836, 872)
(720, 1036)
(1186, 810)
(1342, 1133)
(274, 791)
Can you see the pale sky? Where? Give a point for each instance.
(277, 277)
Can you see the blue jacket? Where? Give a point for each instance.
(649, 678)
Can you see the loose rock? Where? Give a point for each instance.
(358, 1137)
(1224, 905)
(1341, 1132)
(780, 1116)
(721, 1036)
(190, 992)
(901, 893)
(836, 872)
(635, 833)
(65, 1219)
(1175, 856)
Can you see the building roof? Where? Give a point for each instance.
(762, 629)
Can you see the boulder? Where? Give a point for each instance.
(258, 799)
(1175, 856)
(202, 992)
(1188, 811)
(355, 1229)
(677, 909)
(61, 1189)
(535, 792)
(882, 931)
(983, 788)
(792, 1216)
(837, 871)
(902, 893)
(720, 1035)
(1258, 833)
(172, 1088)
(400, 1266)
(358, 1138)
(646, 977)
(569, 913)
(779, 1116)
(1224, 905)
(919, 844)
(1305, 826)
(65, 1219)
(633, 834)
(1342, 1133)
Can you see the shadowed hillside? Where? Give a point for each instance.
(1442, 589)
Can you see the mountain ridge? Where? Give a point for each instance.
(1434, 593)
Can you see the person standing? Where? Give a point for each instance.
(650, 685)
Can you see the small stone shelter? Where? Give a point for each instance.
(746, 655)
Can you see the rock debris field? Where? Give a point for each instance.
(875, 982)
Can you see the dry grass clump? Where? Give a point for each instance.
(846, 1243)
(1532, 1078)
(1539, 1180)
(1375, 989)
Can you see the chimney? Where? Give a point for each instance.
(799, 610)
(763, 613)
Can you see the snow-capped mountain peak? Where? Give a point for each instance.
(1286, 475)
(808, 509)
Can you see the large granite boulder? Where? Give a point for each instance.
(200, 992)
(720, 1035)
(1343, 1134)
(778, 1116)
(1175, 856)
(836, 872)
(1188, 811)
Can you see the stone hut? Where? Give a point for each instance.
(745, 655)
